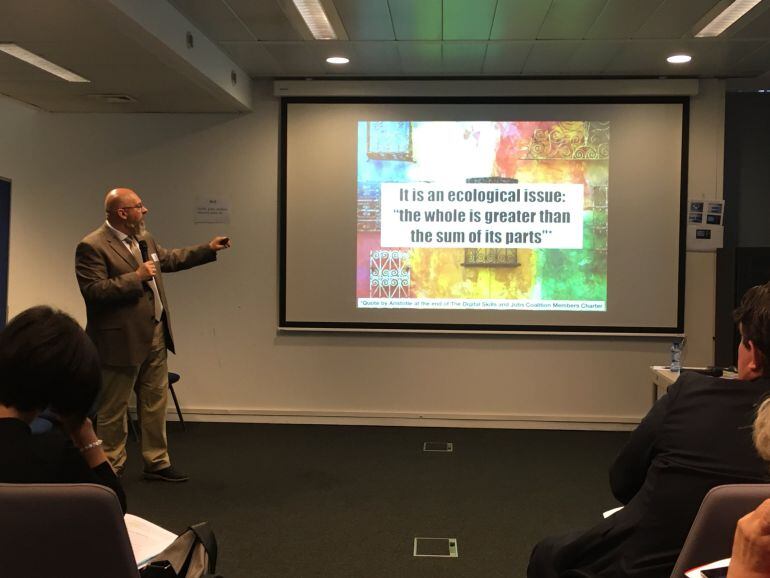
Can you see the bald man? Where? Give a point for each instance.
(129, 321)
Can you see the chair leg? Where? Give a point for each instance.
(176, 403)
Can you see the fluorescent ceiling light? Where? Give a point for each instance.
(315, 18)
(40, 62)
(337, 60)
(727, 18)
(679, 58)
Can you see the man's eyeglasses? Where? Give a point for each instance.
(139, 206)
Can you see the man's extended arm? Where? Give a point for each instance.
(179, 259)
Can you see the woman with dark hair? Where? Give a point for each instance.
(47, 361)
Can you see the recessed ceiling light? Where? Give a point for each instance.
(315, 18)
(337, 60)
(727, 18)
(679, 58)
(35, 60)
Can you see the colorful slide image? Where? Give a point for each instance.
(483, 215)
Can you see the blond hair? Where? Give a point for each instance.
(761, 433)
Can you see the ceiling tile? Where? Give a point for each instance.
(519, 19)
(638, 58)
(675, 19)
(549, 57)
(757, 27)
(320, 50)
(376, 58)
(758, 60)
(252, 57)
(649, 58)
(366, 58)
(592, 57)
(463, 58)
(116, 67)
(295, 58)
(622, 18)
(23, 21)
(416, 20)
(506, 58)
(265, 19)
(366, 19)
(465, 20)
(420, 57)
(726, 55)
(95, 65)
(214, 19)
(568, 19)
(390, 38)
(756, 84)
(14, 70)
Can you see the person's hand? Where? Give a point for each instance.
(84, 438)
(81, 432)
(219, 243)
(751, 545)
(147, 270)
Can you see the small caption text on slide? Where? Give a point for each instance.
(460, 303)
(446, 215)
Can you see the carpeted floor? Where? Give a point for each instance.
(343, 501)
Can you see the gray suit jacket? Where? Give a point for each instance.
(119, 307)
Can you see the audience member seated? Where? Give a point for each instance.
(695, 437)
(751, 547)
(47, 361)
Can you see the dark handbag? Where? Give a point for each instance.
(192, 555)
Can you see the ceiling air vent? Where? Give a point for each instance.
(113, 98)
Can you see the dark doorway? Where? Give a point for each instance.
(745, 259)
(5, 222)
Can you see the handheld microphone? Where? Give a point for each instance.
(143, 250)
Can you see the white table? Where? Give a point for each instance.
(662, 377)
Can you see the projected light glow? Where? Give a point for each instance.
(483, 215)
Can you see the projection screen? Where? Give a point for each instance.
(495, 215)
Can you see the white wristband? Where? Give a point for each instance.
(91, 446)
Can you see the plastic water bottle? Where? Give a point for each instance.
(676, 356)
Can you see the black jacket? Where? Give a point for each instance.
(695, 437)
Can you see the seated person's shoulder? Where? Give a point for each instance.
(692, 381)
(691, 384)
(695, 378)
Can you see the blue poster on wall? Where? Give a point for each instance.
(5, 222)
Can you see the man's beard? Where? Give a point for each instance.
(138, 228)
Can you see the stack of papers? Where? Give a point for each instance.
(702, 571)
(147, 539)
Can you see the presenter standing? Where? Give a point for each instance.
(118, 268)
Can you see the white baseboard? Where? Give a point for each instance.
(499, 421)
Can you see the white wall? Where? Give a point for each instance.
(233, 363)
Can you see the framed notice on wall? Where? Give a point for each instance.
(705, 224)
